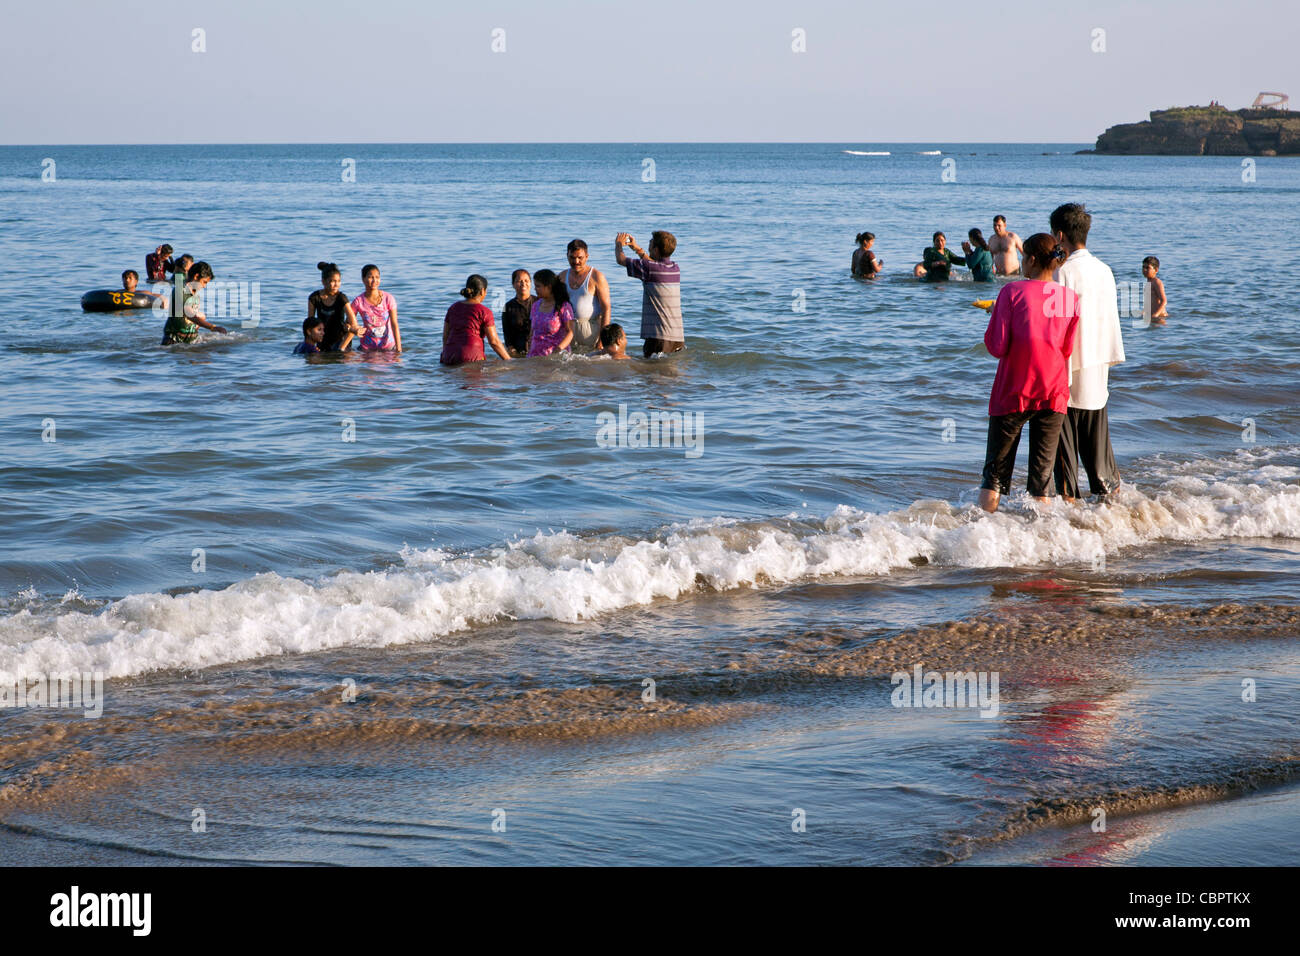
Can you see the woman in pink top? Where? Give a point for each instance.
(468, 324)
(551, 315)
(377, 312)
(1031, 333)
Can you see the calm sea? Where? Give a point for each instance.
(375, 610)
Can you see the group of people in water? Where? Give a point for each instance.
(550, 313)
(1055, 331)
(999, 255)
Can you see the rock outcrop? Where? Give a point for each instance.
(1206, 131)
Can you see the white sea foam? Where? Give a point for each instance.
(565, 577)
(860, 152)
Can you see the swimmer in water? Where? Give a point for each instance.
(515, 325)
(978, 258)
(185, 327)
(181, 266)
(1006, 248)
(313, 333)
(864, 264)
(937, 261)
(156, 263)
(130, 278)
(1156, 290)
(613, 342)
(332, 306)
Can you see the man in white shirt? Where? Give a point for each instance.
(1097, 346)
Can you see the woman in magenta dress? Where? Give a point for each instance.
(1031, 334)
(468, 324)
(551, 315)
(377, 313)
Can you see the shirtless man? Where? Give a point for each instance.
(589, 296)
(1005, 247)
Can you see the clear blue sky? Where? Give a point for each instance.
(121, 71)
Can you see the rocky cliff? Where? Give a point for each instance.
(1206, 131)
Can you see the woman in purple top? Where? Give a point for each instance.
(468, 324)
(552, 315)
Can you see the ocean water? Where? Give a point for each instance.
(365, 609)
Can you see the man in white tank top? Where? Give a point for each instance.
(589, 296)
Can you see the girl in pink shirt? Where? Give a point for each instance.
(551, 315)
(1031, 333)
(377, 312)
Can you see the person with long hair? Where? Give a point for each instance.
(377, 311)
(551, 316)
(332, 306)
(468, 324)
(1031, 333)
(864, 264)
(937, 261)
(978, 258)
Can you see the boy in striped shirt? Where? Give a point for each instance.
(661, 297)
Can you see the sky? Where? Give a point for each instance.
(328, 71)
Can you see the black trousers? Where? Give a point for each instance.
(1004, 440)
(654, 346)
(1086, 435)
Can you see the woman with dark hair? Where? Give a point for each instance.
(978, 258)
(468, 324)
(551, 316)
(864, 264)
(377, 311)
(1031, 333)
(937, 261)
(332, 306)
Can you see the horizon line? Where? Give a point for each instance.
(628, 142)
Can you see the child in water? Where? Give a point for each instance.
(864, 264)
(613, 342)
(130, 278)
(1156, 290)
(313, 333)
(185, 327)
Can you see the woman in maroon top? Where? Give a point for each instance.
(467, 324)
(1031, 333)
